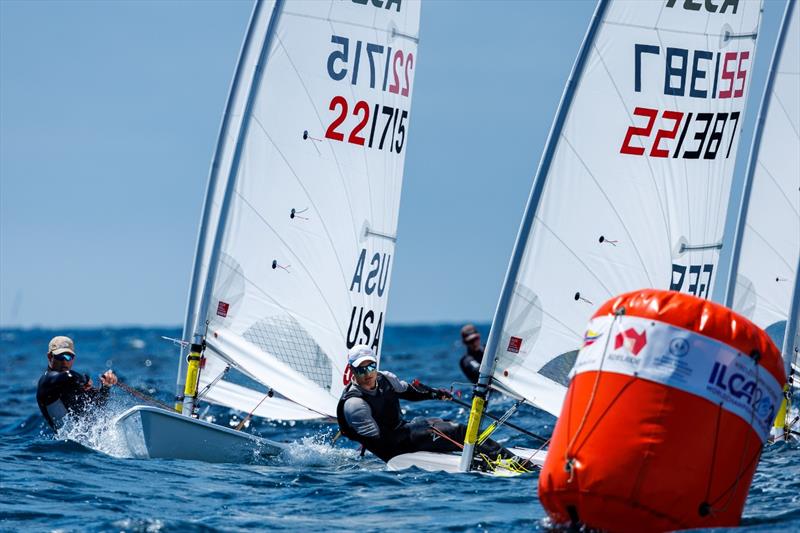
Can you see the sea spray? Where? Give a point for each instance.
(97, 429)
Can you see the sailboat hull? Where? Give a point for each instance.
(447, 462)
(151, 432)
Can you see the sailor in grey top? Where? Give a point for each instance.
(358, 413)
(369, 413)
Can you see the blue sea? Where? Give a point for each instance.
(84, 481)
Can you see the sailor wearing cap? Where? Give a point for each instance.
(369, 413)
(62, 391)
(470, 362)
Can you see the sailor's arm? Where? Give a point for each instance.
(414, 392)
(359, 417)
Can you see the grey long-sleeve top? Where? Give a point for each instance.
(357, 411)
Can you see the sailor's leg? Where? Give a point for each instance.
(436, 435)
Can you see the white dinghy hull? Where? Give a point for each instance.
(151, 432)
(446, 462)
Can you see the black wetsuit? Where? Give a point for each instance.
(60, 393)
(471, 364)
(397, 436)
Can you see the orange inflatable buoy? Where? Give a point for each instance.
(671, 400)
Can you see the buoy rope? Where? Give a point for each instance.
(607, 410)
(755, 356)
(569, 462)
(713, 455)
(142, 396)
(732, 486)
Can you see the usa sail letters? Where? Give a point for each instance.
(370, 278)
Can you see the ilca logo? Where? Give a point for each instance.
(632, 340)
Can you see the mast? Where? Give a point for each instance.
(213, 260)
(730, 286)
(488, 363)
(790, 348)
(189, 321)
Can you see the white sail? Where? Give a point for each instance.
(631, 190)
(249, 398)
(220, 169)
(302, 221)
(770, 213)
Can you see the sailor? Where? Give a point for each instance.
(369, 413)
(471, 360)
(63, 391)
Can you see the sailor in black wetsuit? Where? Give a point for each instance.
(369, 413)
(62, 391)
(471, 361)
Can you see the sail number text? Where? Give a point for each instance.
(379, 126)
(706, 75)
(699, 135)
(395, 67)
(692, 279)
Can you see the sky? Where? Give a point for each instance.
(109, 113)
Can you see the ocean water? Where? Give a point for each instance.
(87, 483)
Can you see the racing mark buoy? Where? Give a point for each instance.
(671, 400)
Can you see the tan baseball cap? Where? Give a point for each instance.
(61, 344)
(469, 332)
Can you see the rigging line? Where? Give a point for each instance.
(212, 383)
(288, 247)
(333, 152)
(777, 185)
(509, 424)
(497, 424)
(613, 208)
(250, 414)
(647, 159)
(574, 254)
(142, 396)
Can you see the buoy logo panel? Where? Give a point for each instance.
(686, 360)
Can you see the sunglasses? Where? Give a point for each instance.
(64, 357)
(364, 370)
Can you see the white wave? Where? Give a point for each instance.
(316, 450)
(96, 429)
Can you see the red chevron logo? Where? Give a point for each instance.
(632, 340)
